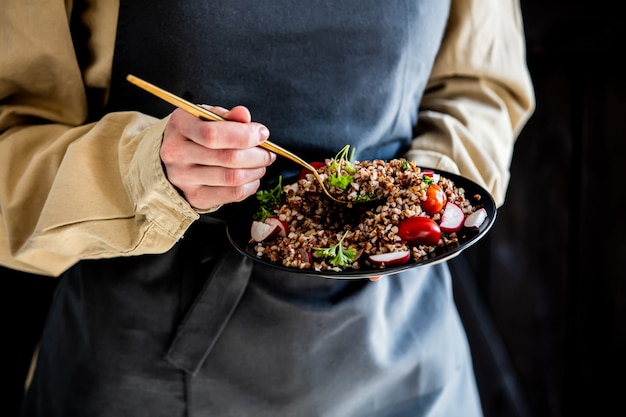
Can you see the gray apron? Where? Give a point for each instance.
(201, 331)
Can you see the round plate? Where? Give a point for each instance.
(239, 235)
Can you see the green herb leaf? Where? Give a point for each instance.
(338, 256)
(262, 214)
(268, 199)
(363, 198)
(340, 181)
(340, 164)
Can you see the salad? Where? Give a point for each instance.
(404, 214)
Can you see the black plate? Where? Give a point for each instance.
(239, 236)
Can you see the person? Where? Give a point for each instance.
(126, 199)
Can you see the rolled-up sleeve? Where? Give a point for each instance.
(479, 95)
(70, 189)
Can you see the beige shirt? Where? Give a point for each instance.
(72, 191)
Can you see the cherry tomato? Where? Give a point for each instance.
(435, 199)
(419, 230)
(305, 171)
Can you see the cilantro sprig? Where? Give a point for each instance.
(338, 256)
(268, 199)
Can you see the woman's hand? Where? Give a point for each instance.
(214, 163)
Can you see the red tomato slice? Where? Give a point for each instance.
(419, 230)
(305, 171)
(435, 199)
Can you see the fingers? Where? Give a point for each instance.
(204, 197)
(212, 176)
(219, 135)
(376, 278)
(237, 114)
(190, 152)
(215, 163)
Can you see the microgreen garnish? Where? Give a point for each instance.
(427, 180)
(364, 198)
(340, 169)
(338, 255)
(268, 199)
(340, 181)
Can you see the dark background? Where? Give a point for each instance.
(543, 295)
(546, 313)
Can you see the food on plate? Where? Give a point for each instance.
(452, 219)
(419, 230)
(435, 199)
(475, 219)
(390, 258)
(409, 214)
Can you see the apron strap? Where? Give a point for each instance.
(210, 312)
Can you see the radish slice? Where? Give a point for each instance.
(452, 218)
(390, 258)
(261, 231)
(474, 220)
(275, 221)
(305, 255)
